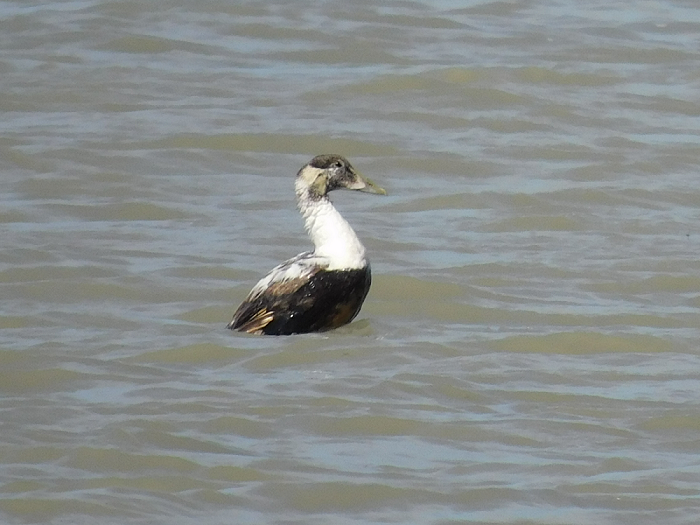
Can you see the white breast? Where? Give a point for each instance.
(332, 236)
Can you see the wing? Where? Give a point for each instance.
(274, 292)
(319, 301)
(299, 267)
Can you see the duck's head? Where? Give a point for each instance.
(326, 173)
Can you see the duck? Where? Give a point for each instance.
(322, 289)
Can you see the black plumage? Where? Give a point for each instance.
(321, 301)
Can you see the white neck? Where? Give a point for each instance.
(332, 236)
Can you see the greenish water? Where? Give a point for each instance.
(528, 352)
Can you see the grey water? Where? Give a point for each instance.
(528, 352)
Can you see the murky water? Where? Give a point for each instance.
(528, 352)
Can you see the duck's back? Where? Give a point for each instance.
(317, 301)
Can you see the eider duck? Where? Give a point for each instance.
(322, 289)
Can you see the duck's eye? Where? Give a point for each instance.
(337, 164)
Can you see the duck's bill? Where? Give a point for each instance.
(362, 183)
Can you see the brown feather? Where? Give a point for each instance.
(326, 300)
(257, 322)
(291, 285)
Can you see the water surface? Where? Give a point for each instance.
(528, 352)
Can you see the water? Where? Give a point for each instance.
(528, 352)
